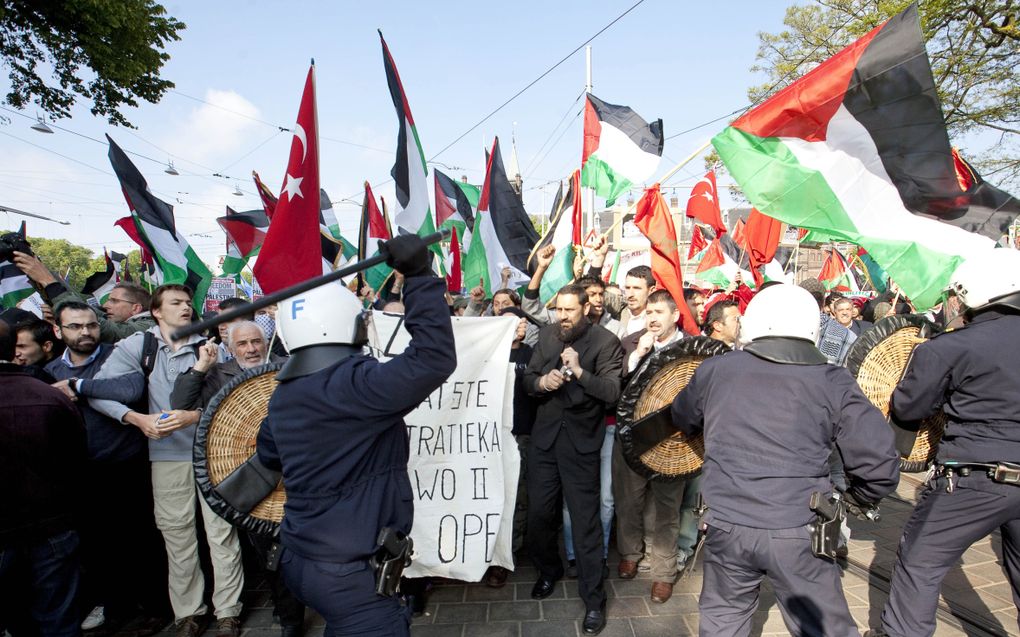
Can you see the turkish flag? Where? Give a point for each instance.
(292, 251)
(698, 242)
(703, 204)
(654, 221)
(761, 238)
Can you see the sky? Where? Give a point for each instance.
(239, 70)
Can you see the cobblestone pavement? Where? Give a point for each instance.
(975, 591)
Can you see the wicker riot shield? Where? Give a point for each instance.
(650, 446)
(878, 360)
(225, 439)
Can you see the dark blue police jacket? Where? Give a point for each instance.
(974, 374)
(340, 438)
(769, 429)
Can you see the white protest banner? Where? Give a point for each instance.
(220, 289)
(464, 461)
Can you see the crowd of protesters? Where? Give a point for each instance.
(104, 403)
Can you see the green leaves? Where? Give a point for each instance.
(107, 51)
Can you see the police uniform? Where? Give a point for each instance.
(767, 446)
(339, 436)
(974, 374)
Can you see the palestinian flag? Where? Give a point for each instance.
(150, 273)
(336, 249)
(836, 275)
(375, 229)
(455, 204)
(410, 174)
(245, 233)
(564, 234)
(719, 268)
(875, 274)
(858, 149)
(99, 284)
(15, 285)
(154, 219)
(620, 148)
(504, 235)
(120, 265)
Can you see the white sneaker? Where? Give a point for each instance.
(95, 619)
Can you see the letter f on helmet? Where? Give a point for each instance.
(296, 306)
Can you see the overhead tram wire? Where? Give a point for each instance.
(559, 139)
(768, 92)
(537, 79)
(521, 92)
(282, 129)
(159, 162)
(527, 169)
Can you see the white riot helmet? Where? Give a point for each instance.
(327, 315)
(985, 278)
(781, 310)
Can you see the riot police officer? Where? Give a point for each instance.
(770, 415)
(336, 428)
(973, 374)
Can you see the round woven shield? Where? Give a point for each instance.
(653, 387)
(878, 360)
(225, 439)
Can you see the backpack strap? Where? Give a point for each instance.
(150, 349)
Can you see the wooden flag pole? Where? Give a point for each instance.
(662, 179)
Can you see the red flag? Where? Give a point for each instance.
(453, 279)
(268, 198)
(738, 236)
(292, 251)
(703, 204)
(127, 224)
(714, 257)
(698, 242)
(762, 234)
(654, 221)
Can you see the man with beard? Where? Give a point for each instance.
(171, 434)
(123, 560)
(661, 529)
(574, 373)
(195, 390)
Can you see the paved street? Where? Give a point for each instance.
(976, 597)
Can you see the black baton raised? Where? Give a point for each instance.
(286, 293)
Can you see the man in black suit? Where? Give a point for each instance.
(574, 374)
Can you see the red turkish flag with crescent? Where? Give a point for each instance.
(703, 204)
(292, 251)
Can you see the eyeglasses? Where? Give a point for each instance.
(111, 299)
(77, 327)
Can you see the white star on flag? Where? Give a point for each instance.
(293, 186)
(708, 196)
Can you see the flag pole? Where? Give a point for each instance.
(286, 293)
(662, 179)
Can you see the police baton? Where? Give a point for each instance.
(286, 293)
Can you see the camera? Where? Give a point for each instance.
(12, 242)
(568, 373)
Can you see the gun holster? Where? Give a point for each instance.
(391, 557)
(825, 529)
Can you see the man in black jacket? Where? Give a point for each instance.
(42, 450)
(575, 374)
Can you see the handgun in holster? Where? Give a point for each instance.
(825, 529)
(391, 557)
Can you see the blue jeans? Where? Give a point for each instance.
(52, 568)
(606, 498)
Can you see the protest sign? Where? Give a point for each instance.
(220, 289)
(464, 461)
